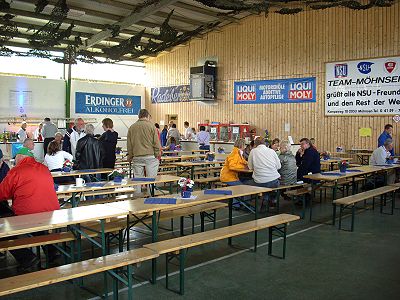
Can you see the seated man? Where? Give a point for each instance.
(265, 165)
(307, 160)
(381, 156)
(30, 187)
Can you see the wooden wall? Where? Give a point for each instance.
(279, 46)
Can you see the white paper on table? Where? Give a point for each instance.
(192, 197)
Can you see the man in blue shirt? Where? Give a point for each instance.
(386, 134)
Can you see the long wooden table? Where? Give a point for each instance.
(189, 166)
(71, 219)
(80, 173)
(72, 190)
(333, 160)
(139, 211)
(364, 171)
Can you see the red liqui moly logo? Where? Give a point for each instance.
(301, 90)
(246, 92)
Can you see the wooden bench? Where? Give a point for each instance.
(176, 247)
(76, 270)
(278, 191)
(351, 202)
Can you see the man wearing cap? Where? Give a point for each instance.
(21, 134)
(30, 186)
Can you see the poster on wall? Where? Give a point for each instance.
(290, 90)
(170, 94)
(363, 87)
(106, 104)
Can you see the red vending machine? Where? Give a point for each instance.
(239, 131)
(214, 131)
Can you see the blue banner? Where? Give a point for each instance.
(107, 104)
(170, 94)
(291, 90)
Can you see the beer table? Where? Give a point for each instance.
(351, 173)
(181, 152)
(70, 218)
(73, 190)
(139, 211)
(333, 160)
(189, 166)
(80, 173)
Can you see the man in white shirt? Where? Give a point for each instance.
(381, 156)
(21, 134)
(203, 138)
(265, 165)
(188, 131)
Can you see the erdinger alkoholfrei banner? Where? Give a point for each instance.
(170, 94)
(363, 87)
(107, 104)
(291, 90)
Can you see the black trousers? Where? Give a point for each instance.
(24, 256)
(46, 143)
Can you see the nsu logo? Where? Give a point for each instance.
(364, 67)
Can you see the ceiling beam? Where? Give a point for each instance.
(206, 12)
(134, 18)
(60, 49)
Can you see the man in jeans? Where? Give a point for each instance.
(144, 147)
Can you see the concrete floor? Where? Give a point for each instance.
(321, 263)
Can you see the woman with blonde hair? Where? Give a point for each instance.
(288, 170)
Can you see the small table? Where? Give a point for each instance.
(363, 157)
(331, 161)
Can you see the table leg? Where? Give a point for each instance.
(230, 218)
(154, 238)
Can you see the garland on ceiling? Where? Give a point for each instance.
(43, 40)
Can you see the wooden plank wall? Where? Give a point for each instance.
(279, 46)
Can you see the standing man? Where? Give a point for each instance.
(21, 134)
(49, 130)
(307, 160)
(188, 131)
(386, 134)
(143, 147)
(203, 138)
(73, 135)
(89, 152)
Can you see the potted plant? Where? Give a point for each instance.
(118, 174)
(221, 149)
(210, 156)
(343, 165)
(67, 166)
(186, 185)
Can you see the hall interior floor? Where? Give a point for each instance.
(321, 263)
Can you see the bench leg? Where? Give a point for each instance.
(230, 219)
(172, 224)
(215, 218)
(192, 218)
(130, 282)
(115, 289)
(166, 269)
(202, 221)
(340, 216)
(120, 240)
(127, 232)
(334, 214)
(381, 204)
(284, 241)
(281, 232)
(182, 221)
(255, 241)
(269, 240)
(182, 271)
(393, 200)
(353, 211)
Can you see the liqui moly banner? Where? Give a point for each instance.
(291, 90)
(363, 87)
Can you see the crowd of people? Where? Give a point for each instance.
(30, 185)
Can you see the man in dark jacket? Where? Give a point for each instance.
(307, 160)
(89, 151)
